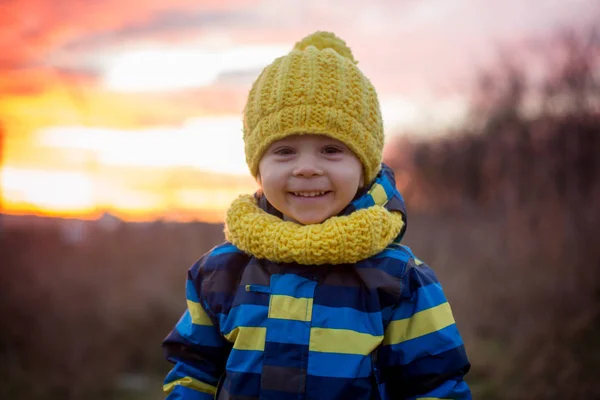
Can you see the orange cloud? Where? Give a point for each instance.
(40, 97)
(131, 193)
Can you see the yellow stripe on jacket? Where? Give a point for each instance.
(190, 383)
(420, 324)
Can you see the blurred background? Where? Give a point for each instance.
(121, 148)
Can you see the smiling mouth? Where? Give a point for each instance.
(310, 193)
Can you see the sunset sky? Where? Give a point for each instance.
(134, 107)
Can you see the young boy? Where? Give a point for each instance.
(313, 296)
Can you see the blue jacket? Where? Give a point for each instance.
(254, 329)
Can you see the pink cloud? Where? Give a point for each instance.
(32, 28)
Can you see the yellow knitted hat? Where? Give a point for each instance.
(315, 89)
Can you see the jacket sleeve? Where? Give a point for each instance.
(196, 347)
(422, 356)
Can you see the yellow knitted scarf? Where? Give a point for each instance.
(337, 240)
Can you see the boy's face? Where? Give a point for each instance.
(310, 178)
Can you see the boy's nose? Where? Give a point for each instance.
(307, 167)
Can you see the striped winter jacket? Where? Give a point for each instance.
(255, 329)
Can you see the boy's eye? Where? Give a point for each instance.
(284, 151)
(332, 150)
